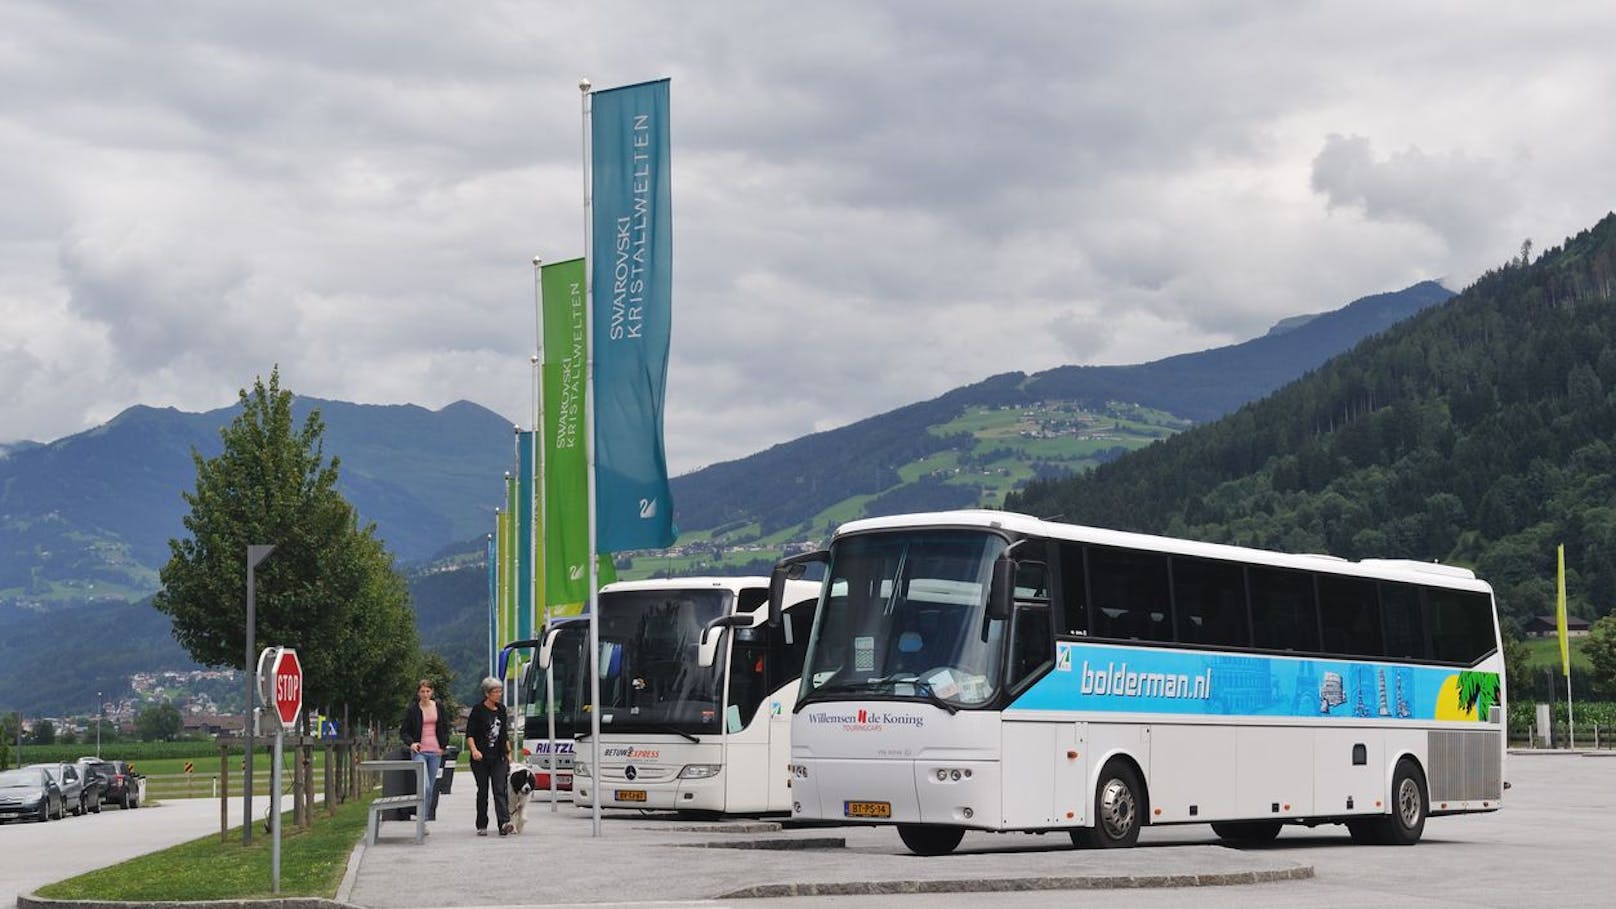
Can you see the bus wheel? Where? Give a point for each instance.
(1247, 831)
(1119, 810)
(923, 839)
(1409, 806)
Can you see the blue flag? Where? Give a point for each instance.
(526, 530)
(632, 279)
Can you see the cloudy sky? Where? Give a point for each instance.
(873, 202)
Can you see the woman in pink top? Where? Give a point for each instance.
(425, 730)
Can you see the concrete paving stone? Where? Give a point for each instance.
(648, 858)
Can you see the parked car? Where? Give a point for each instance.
(95, 785)
(67, 779)
(123, 786)
(29, 792)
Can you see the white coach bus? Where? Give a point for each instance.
(563, 654)
(696, 691)
(991, 671)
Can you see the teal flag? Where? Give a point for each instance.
(632, 282)
(526, 531)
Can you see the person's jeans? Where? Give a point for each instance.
(495, 775)
(434, 763)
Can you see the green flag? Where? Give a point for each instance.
(566, 493)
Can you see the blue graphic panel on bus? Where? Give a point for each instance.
(1149, 680)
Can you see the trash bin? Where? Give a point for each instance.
(398, 782)
(446, 775)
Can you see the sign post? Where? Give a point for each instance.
(285, 691)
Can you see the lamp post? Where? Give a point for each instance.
(98, 711)
(255, 554)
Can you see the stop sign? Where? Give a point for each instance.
(288, 687)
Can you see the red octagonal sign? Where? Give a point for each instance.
(288, 687)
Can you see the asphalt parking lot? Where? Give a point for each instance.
(1550, 846)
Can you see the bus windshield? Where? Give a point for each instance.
(649, 680)
(905, 616)
(567, 663)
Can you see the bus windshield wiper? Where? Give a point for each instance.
(922, 687)
(647, 727)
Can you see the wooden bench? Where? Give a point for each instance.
(388, 802)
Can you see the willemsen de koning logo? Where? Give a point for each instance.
(866, 720)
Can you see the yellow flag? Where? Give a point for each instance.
(1560, 614)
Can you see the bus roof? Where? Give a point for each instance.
(795, 590)
(1405, 570)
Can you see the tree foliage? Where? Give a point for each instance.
(1600, 648)
(1476, 433)
(328, 590)
(159, 722)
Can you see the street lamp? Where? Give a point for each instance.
(98, 711)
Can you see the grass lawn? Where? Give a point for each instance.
(312, 864)
(1546, 653)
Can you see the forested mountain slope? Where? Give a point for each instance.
(791, 483)
(1478, 432)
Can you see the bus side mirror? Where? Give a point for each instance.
(789, 569)
(546, 647)
(707, 648)
(1003, 589)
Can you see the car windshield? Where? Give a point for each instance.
(26, 776)
(649, 680)
(905, 616)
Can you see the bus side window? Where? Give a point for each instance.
(1284, 615)
(1349, 612)
(1071, 589)
(1032, 643)
(1400, 608)
(1131, 598)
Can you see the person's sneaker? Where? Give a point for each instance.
(482, 831)
(505, 830)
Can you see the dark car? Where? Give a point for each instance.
(122, 786)
(95, 785)
(67, 778)
(29, 792)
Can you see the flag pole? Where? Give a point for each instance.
(1565, 643)
(553, 760)
(589, 461)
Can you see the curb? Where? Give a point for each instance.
(1020, 884)
(35, 901)
(350, 876)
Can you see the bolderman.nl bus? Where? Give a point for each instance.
(982, 670)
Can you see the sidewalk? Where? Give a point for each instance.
(664, 858)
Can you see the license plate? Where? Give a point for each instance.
(867, 809)
(630, 795)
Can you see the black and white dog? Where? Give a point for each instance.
(521, 788)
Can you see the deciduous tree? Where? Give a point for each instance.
(329, 588)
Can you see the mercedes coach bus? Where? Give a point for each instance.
(563, 655)
(990, 671)
(696, 693)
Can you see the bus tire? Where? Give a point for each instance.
(1119, 810)
(1247, 831)
(1410, 805)
(926, 839)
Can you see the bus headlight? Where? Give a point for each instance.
(800, 771)
(699, 771)
(580, 768)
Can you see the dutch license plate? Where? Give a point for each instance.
(867, 809)
(630, 795)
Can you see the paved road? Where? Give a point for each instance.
(34, 854)
(1551, 846)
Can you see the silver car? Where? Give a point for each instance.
(67, 779)
(29, 792)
